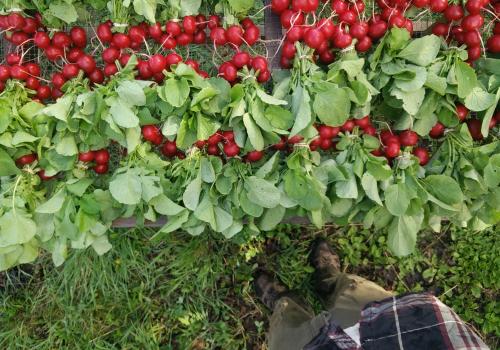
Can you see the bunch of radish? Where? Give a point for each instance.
(243, 60)
(235, 35)
(99, 158)
(466, 24)
(19, 29)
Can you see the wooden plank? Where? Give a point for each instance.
(272, 32)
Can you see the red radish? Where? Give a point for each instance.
(295, 139)
(474, 53)
(27, 159)
(184, 39)
(58, 80)
(385, 135)
(19, 38)
(155, 31)
(18, 72)
(472, 39)
(43, 177)
(30, 26)
(213, 21)
(281, 146)
(474, 6)
(392, 150)
(314, 38)
(173, 28)
(328, 132)
(229, 72)
(474, 126)
(289, 50)
(13, 58)
(342, 40)
(364, 44)
(169, 148)
(167, 42)
(234, 35)
(56, 93)
(420, 3)
(397, 21)
(363, 122)
(121, 41)
(290, 18)
(462, 112)
(438, 5)
(110, 55)
(101, 156)
(16, 21)
(408, 138)
(359, 6)
(259, 63)
(377, 152)
(348, 17)
(42, 40)
(87, 63)
(4, 73)
(214, 139)
(152, 134)
(173, 58)
(193, 64)
(241, 59)
(101, 168)
(199, 37)
(472, 22)
(348, 126)
(441, 29)
(200, 144)
(422, 155)
(97, 76)
(61, 40)
(294, 34)
(231, 149)
(251, 35)
(110, 69)
(254, 156)
(325, 144)
(339, 6)
(327, 57)
(70, 70)
(43, 92)
(278, 6)
(454, 13)
(264, 76)
(377, 29)
(74, 54)
(78, 36)
(137, 34)
(86, 157)
(213, 150)
(201, 22)
(228, 136)
(437, 131)
(286, 63)
(359, 30)
(493, 43)
(314, 144)
(370, 130)
(53, 53)
(104, 33)
(218, 36)
(189, 24)
(157, 63)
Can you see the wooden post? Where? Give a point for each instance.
(272, 31)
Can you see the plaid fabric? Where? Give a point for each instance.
(410, 322)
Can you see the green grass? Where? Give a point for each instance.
(195, 293)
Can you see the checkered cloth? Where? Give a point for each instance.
(410, 322)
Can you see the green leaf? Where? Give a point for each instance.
(7, 165)
(411, 100)
(23, 137)
(191, 196)
(67, 146)
(332, 106)
(301, 110)
(133, 138)
(205, 212)
(369, 184)
(189, 7)
(403, 234)
(223, 219)
(146, 8)
(123, 115)
(63, 10)
(126, 188)
(241, 6)
(436, 83)
(422, 51)
(101, 245)
(303, 190)
(254, 133)
(270, 100)
(207, 171)
(279, 117)
(132, 93)
(466, 78)
(165, 206)
(79, 186)
(262, 192)
(16, 228)
(272, 218)
(444, 188)
(492, 172)
(60, 109)
(53, 205)
(397, 199)
(174, 223)
(479, 100)
(175, 92)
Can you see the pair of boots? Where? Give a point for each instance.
(293, 323)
